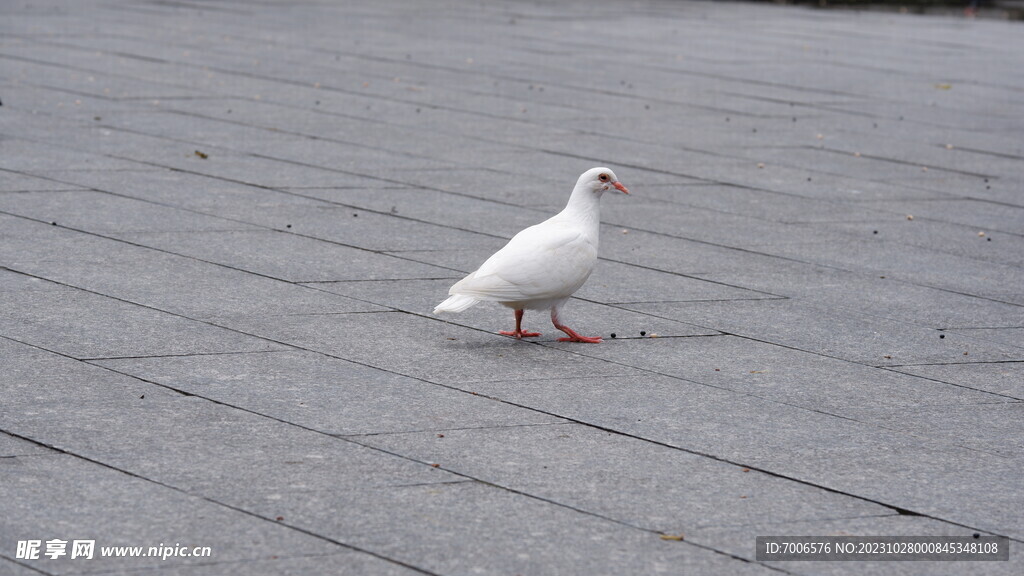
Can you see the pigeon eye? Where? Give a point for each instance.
(603, 177)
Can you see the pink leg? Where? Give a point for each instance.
(573, 336)
(518, 332)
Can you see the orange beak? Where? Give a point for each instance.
(618, 185)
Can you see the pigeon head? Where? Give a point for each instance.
(600, 179)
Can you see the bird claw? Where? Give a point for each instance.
(519, 334)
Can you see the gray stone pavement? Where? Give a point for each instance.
(223, 225)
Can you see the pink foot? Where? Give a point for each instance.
(574, 337)
(584, 339)
(519, 334)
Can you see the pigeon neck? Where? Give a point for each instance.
(584, 205)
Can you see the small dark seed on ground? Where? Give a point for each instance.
(355, 215)
(976, 535)
(875, 232)
(53, 223)
(942, 335)
(989, 239)
(643, 332)
(613, 334)
(287, 225)
(808, 178)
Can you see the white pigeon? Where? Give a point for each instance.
(543, 265)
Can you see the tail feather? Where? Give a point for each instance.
(456, 303)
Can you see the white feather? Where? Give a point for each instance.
(456, 303)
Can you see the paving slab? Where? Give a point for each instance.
(985, 216)
(537, 536)
(389, 341)
(848, 334)
(59, 496)
(286, 256)
(616, 283)
(907, 302)
(948, 483)
(989, 427)
(760, 204)
(713, 226)
(191, 191)
(1009, 336)
(243, 448)
(14, 569)
(205, 133)
(844, 455)
(15, 182)
(168, 282)
(472, 214)
(88, 325)
(911, 264)
(364, 229)
(249, 449)
(955, 239)
(25, 155)
(11, 281)
(627, 479)
(70, 70)
(783, 374)
(11, 447)
(997, 377)
(82, 102)
(105, 213)
(326, 394)
(543, 192)
(693, 257)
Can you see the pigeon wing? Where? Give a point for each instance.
(542, 262)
